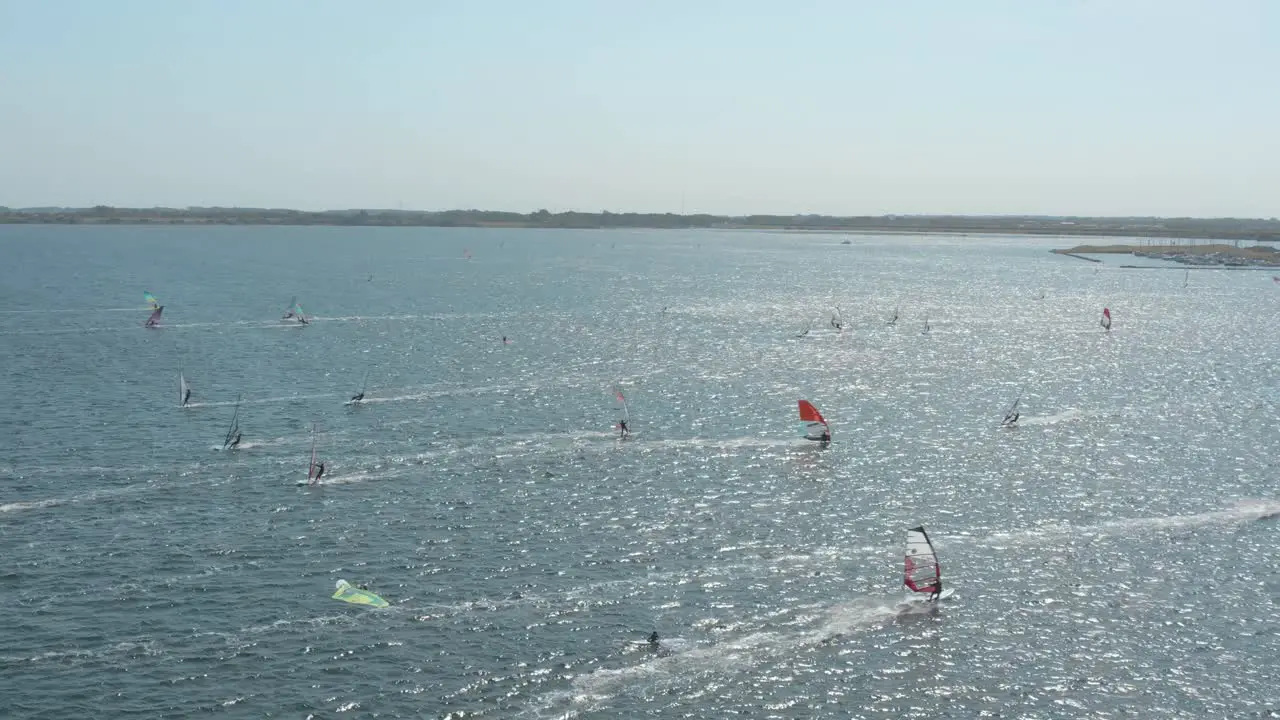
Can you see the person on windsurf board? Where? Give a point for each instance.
(359, 397)
(937, 590)
(623, 430)
(815, 426)
(1011, 415)
(235, 442)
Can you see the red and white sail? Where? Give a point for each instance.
(815, 426)
(1106, 318)
(922, 574)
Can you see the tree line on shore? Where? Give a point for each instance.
(1208, 228)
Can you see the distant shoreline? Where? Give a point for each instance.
(1257, 230)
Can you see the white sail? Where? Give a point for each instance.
(183, 390)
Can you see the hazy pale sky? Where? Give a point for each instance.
(1162, 107)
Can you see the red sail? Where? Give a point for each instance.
(809, 413)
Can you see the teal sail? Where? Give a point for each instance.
(354, 595)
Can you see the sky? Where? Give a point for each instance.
(843, 107)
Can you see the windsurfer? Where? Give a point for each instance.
(826, 436)
(622, 428)
(358, 397)
(186, 398)
(155, 317)
(653, 641)
(319, 472)
(236, 441)
(937, 590)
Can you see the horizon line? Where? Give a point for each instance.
(405, 211)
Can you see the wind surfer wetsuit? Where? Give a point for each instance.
(357, 398)
(319, 472)
(937, 591)
(622, 428)
(236, 442)
(186, 398)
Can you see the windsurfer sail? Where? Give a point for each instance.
(923, 574)
(926, 324)
(1106, 319)
(837, 321)
(150, 299)
(314, 470)
(288, 313)
(300, 316)
(154, 320)
(184, 390)
(815, 426)
(232, 438)
(808, 324)
(1186, 277)
(357, 595)
(1011, 415)
(893, 320)
(623, 429)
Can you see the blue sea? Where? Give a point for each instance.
(1111, 556)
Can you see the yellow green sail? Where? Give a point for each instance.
(354, 595)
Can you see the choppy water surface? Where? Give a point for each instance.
(1108, 556)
